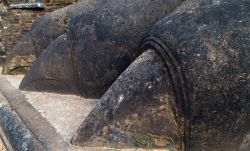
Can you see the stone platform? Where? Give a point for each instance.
(47, 118)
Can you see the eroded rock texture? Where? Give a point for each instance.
(211, 44)
(204, 46)
(96, 48)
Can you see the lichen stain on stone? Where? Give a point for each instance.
(151, 140)
(66, 21)
(169, 108)
(211, 53)
(217, 58)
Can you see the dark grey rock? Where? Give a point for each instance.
(204, 69)
(139, 109)
(113, 28)
(50, 60)
(205, 45)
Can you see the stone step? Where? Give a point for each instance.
(43, 135)
(25, 112)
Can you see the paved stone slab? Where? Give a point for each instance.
(13, 132)
(33, 120)
(64, 112)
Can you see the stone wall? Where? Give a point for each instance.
(16, 22)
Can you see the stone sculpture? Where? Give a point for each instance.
(198, 58)
(186, 86)
(84, 51)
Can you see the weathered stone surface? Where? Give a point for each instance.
(27, 6)
(204, 48)
(139, 109)
(206, 44)
(113, 28)
(52, 62)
